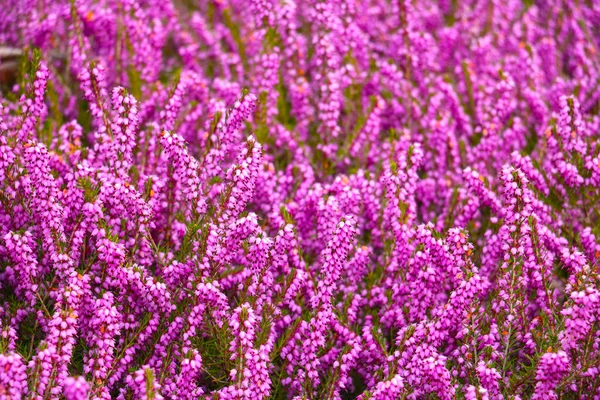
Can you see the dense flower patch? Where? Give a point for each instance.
(230, 199)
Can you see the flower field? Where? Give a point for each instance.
(299, 199)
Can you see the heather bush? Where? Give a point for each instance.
(286, 199)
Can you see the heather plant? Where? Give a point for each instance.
(297, 199)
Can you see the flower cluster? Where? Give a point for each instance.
(297, 199)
